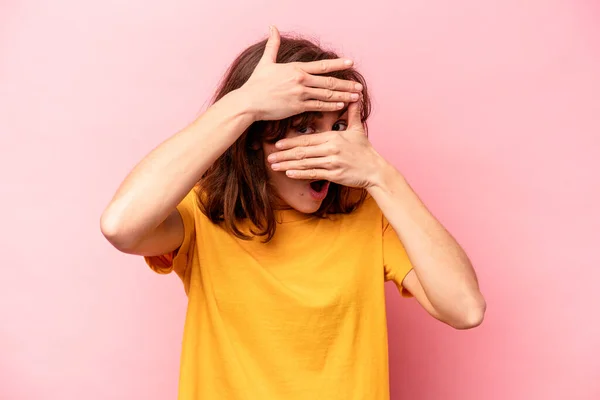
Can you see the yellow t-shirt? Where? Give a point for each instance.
(301, 317)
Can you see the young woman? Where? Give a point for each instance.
(283, 223)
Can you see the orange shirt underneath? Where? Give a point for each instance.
(301, 317)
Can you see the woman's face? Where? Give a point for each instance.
(303, 195)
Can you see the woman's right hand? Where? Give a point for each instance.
(278, 91)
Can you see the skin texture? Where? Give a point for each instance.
(443, 280)
(142, 217)
(295, 193)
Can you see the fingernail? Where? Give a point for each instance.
(340, 105)
(289, 173)
(354, 96)
(348, 62)
(271, 158)
(275, 167)
(358, 86)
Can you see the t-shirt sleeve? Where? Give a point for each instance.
(177, 260)
(395, 259)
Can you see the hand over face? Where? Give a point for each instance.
(344, 157)
(281, 90)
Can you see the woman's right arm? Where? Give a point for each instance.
(142, 217)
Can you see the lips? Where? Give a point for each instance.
(319, 189)
(317, 186)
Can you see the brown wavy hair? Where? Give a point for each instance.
(236, 188)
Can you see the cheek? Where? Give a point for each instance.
(268, 149)
(276, 178)
(279, 178)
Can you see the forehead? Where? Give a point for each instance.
(317, 116)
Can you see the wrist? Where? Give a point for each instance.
(231, 114)
(385, 177)
(244, 103)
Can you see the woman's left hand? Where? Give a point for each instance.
(344, 157)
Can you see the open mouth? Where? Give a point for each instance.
(318, 186)
(318, 189)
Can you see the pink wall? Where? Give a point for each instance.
(491, 109)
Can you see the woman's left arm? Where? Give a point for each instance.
(443, 280)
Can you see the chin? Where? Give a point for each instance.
(307, 206)
(304, 197)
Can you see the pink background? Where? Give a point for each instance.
(491, 109)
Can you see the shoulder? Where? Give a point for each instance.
(367, 213)
(192, 209)
(190, 204)
(197, 208)
(369, 206)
